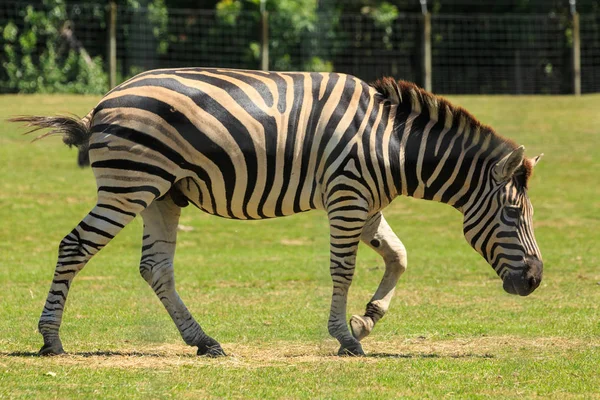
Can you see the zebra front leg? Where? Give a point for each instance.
(75, 250)
(378, 235)
(344, 237)
(156, 267)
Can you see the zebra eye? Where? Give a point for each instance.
(512, 212)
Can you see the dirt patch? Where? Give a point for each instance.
(185, 228)
(295, 242)
(286, 354)
(94, 278)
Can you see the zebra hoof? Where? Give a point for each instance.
(53, 349)
(361, 326)
(211, 350)
(353, 350)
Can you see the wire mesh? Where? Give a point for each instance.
(472, 6)
(590, 53)
(11, 11)
(189, 38)
(373, 51)
(476, 53)
(28, 57)
(87, 23)
(516, 54)
(353, 44)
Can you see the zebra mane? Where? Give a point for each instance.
(524, 172)
(408, 97)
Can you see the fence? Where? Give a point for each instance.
(479, 54)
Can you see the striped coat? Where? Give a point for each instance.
(250, 145)
(255, 145)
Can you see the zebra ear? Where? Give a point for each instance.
(506, 167)
(535, 160)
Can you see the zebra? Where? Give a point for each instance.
(251, 145)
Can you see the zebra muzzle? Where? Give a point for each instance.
(525, 282)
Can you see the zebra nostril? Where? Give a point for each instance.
(534, 282)
(533, 274)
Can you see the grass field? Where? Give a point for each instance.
(263, 288)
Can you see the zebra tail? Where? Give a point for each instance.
(75, 131)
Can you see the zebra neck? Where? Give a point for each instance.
(444, 159)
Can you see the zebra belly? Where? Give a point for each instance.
(197, 192)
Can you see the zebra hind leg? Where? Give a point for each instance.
(156, 267)
(94, 232)
(378, 235)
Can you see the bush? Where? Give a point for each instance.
(40, 58)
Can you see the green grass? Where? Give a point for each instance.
(263, 289)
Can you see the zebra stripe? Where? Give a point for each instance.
(253, 145)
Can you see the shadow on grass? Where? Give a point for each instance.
(98, 353)
(19, 354)
(101, 353)
(428, 355)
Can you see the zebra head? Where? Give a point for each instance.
(499, 226)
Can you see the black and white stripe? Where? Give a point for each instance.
(254, 145)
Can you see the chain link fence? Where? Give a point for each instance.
(470, 54)
(189, 38)
(590, 53)
(357, 46)
(491, 54)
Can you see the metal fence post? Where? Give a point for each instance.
(264, 37)
(576, 51)
(112, 44)
(427, 83)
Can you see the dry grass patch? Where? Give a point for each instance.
(295, 242)
(282, 354)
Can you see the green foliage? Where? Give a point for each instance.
(384, 16)
(468, 7)
(291, 24)
(9, 32)
(228, 11)
(39, 60)
(158, 16)
(304, 35)
(317, 64)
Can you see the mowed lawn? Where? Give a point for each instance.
(263, 288)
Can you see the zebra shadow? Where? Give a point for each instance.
(430, 355)
(19, 354)
(103, 353)
(98, 353)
